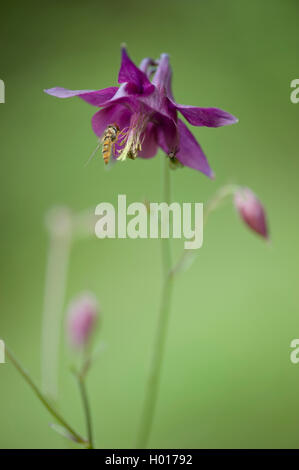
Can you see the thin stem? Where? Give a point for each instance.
(86, 408)
(159, 343)
(166, 249)
(43, 399)
(59, 227)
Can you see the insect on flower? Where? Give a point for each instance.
(146, 115)
(109, 140)
(111, 135)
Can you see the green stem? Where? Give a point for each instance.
(42, 398)
(159, 344)
(86, 407)
(169, 273)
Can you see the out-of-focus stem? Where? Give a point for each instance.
(86, 407)
(160, 339)
(169, 273)
(63, 227)
(219, 197)
(59, 228)
(43, 398)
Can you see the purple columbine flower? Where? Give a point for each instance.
(252, 211)
(81, 319)
(147, 115)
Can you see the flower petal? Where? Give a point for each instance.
(146, 66)
(161, 100)
(252, 211)
(116, 114)
(190, 153)
(150, 144)
(158, 103)
(137, 81)
(162, 77)
(168, 136)
(209, 117)
(94, 97)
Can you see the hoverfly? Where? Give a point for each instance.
(109, 140)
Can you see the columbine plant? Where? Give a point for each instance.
(81, 322)
(82, 319)
(147, 115)
(143, 113)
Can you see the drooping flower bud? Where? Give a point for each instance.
(251, 210)
(81, 319)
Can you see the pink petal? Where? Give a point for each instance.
(162, 77)
(167, 134)
(209, 117)
(158, 103)
(190, 153)
(251, 211)
(96, 98)
(150, 144)
(137, 81)
(116, 114)
(146, 65)
(81, 319)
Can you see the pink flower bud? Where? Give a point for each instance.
(81, 319)
(251, 211)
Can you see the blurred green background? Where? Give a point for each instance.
(227, 379)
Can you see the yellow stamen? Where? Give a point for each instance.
(135, 137)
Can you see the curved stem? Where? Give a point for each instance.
(159, 344)
(43, 399)
(86, 407)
